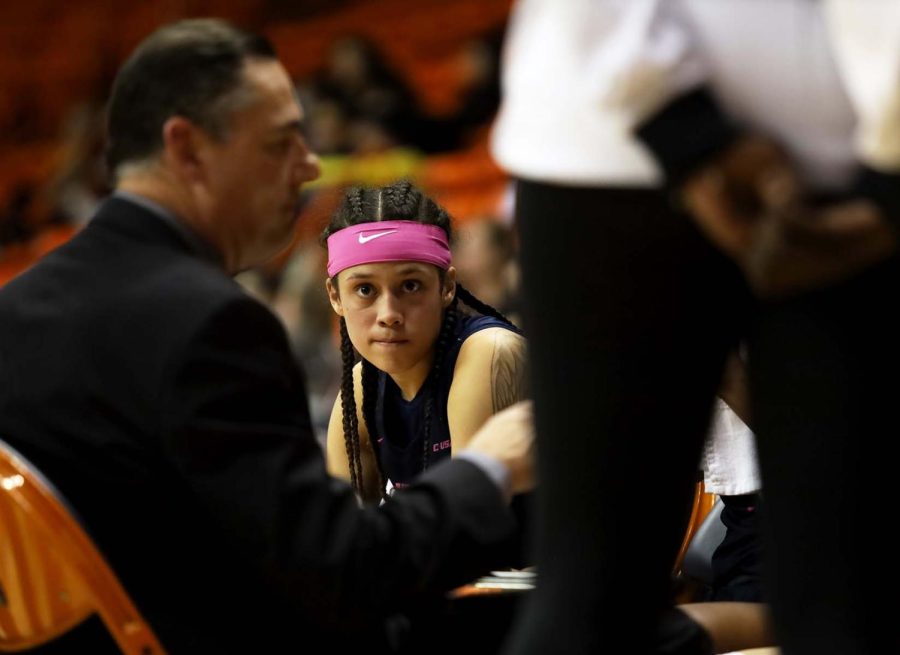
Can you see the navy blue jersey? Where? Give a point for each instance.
(399, 442)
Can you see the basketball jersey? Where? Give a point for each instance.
(399, 441)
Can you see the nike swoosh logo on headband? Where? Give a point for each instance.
(363, 239)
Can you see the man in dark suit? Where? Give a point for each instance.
(164, 402)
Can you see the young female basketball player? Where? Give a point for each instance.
(432, 369)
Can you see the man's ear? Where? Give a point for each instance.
(448, 292)
(182, 145)
(334, 298)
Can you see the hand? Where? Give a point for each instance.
(749, 204)
(811, 248)
(730, 198)
(508, 436)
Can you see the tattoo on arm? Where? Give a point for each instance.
(508, 372)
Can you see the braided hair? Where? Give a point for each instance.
(398, 201)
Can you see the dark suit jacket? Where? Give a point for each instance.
(166, 406)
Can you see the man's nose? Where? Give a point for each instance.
(308, 167)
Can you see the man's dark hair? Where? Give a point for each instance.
(191, 68)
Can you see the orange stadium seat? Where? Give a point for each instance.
(51, 575)
(702, 505)
(693, 563)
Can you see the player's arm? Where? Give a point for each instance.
(490, 375)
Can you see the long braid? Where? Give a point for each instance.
(481, 307)
(348, 409)
(369, 400)
(440, 350)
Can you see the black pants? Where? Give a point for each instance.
(630, 314)
(737, 561)
(824, 377)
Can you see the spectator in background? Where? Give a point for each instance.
(328, 127)
(478, 71)
(81, 180)
(372, 97)
(367, 106)
(306, 313)
(484, 254)
(478, 62)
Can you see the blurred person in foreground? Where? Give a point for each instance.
(164, 402)
(680, 188)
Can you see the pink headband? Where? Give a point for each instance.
(387, 241)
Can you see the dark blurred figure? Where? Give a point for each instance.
(478, 71)
(479, 66)
(328, 126)
(307, 316)
(485, 258)
(673, 158)
(16, 217)
(358, 85)
(81, 179)
(366, 106)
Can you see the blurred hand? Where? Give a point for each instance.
(508, 436)
(730, 198)
(748, 202)
(811, 248)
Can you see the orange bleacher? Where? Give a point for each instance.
(418, 38)
(54, 55)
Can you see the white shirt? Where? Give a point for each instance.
(821, 77)
(729, 460)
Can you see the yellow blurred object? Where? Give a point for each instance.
(374, 169)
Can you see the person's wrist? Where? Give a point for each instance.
(493, 467)
(686, 134)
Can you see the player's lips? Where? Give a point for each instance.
(389, 342)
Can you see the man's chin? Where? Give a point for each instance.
(266, 252)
